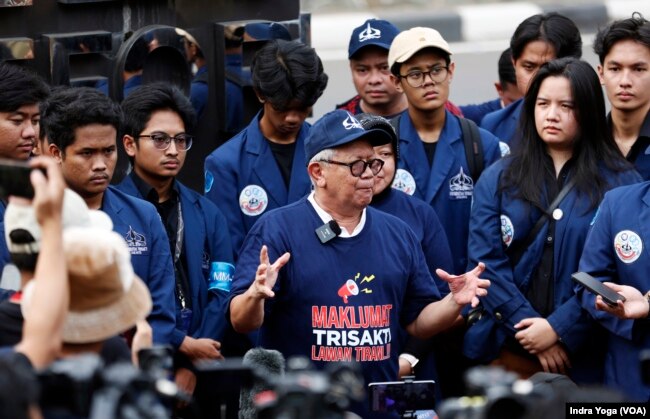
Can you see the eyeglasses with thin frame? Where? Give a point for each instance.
(357, 167)
(162, 140)
(416, 78)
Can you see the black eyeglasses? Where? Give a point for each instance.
(162, 140)
(438, 74)
(357, 167)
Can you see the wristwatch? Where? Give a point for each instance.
(413, 361)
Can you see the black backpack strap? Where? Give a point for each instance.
(518, 252)
(473, 147)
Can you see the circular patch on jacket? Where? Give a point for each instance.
(404, 181)
(507, 230)
(253, 200)
(628, 246)
(209, 180)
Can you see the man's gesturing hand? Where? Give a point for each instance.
(468, 287)
(267, 274)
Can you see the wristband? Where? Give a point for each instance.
(647, 297)
(413, 361)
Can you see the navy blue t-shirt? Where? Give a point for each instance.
(343, 300)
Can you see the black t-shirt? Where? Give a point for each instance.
(430, 149)
(283, 154)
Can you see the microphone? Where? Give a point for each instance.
(268, 366)
(328, 231)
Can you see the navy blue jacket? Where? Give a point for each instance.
(243, 179)
(205, 240)
(446, 185)
(139, 223)
(498, 222)
(639, 154)
(477, 112)
(503, 123)
(616, 250)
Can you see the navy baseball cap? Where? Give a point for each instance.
(267, 31)
(373, 32)
(338, 128)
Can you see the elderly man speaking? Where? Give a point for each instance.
(345, 275)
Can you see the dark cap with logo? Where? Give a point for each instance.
(338, 128)
(373, 32)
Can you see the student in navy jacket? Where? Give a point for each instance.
(536, 40)
(616, 253)
(532, 320)
(623, 49)
(20, 93)
(263, 167)
(506, 88)
(81, 125)
(433, 164)
(158, 119)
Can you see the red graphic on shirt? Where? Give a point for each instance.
(350, 288)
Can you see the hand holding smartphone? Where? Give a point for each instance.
(596, 287)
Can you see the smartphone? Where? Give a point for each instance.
(14, 179)
(402, 396)
(595, 286)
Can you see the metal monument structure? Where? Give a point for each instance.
(81, 42)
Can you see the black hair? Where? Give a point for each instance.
(144, 100)
(70, 108)
(287, 71)
(396, 67)
(635, 28)
(19, 87)
(506, 69)
(593, 147)
(553, 28)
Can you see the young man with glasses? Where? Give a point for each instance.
(157, 119)
(329, 278)
(433, 165)
(262, 167)
(81, 126)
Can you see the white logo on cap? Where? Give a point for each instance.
(351, 122)
(369, 33)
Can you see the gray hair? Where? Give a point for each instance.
(327, 154)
